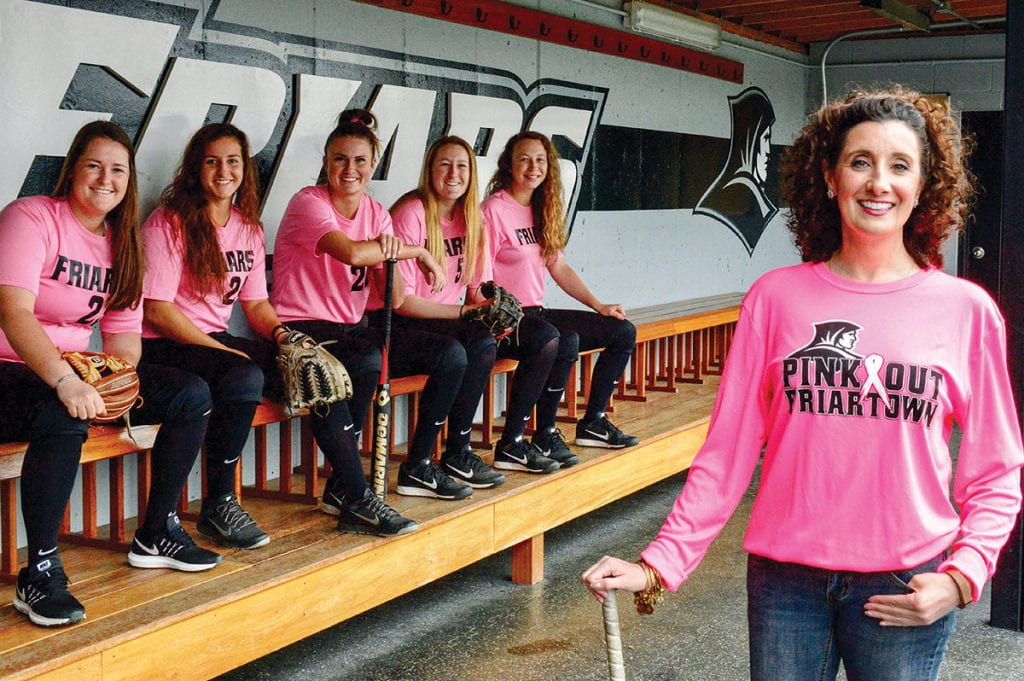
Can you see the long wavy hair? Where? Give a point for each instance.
(945, 198)
(468, 204)
(546, 201)
(185, 202)
(123, 221)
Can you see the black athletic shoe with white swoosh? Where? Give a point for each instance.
(224, 520)
(470, 469)
(520, 455)
(371, 511)
(427, 480)
(551, 444)
(333, 500)
(602, 433)
(44, 597)
(170, 548)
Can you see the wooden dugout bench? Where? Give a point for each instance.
(142, 622)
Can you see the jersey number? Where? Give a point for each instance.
(360, 274)
(95, 307)
(234, 286)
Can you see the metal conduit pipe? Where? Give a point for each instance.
(886, 31)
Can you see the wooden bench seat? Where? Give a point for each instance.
(143, 622)
(677, 342)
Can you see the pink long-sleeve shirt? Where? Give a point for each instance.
(853, 389)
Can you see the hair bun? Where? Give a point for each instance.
(359, 116)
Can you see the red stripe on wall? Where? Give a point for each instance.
(494, 15)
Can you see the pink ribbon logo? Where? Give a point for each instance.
(873, 365)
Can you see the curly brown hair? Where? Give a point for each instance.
(945, 198)
(185, 201)
(548, 208)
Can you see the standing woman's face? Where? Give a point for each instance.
(877, 179)
(349, 166)
(449, 172)
(99, 180)
(529, 164)
(223, 169)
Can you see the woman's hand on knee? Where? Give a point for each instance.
(80, 399)
(614, 573)
(934, 596)
(613, 310)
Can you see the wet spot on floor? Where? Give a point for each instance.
(542, 646)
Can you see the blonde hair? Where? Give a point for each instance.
(546, 201)
(468, 204)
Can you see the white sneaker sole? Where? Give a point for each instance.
(587, 442)
(137, 561)
(512, 466)
(25, 609)
(429, 493)
(329, 509)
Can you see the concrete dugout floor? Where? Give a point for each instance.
(475, 624)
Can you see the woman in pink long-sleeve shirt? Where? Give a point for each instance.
(850, 370)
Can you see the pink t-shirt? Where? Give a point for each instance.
(853, 388)
(515, 253)
(313, 285)
(246, 277)
(48, 252)
(411, 228)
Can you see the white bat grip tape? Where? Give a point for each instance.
(612, 638)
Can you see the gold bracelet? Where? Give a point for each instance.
(653, 593)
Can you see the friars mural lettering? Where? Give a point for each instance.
(161, 70)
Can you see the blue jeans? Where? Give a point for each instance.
(802, 621)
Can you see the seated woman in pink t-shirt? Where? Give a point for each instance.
(525, 220)
(70, 261)
(444, 214)
(329, 251)
(205, 249)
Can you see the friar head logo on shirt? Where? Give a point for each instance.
(831, 339)
(825, 376)
(738, 197)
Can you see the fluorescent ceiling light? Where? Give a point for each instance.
(645, 17)
(901, 13)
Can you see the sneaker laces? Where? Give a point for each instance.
(474, 462)
(379, 507)
(234, 515)
(556, 433)
(52, 580)
(609, 427)
(178, 535)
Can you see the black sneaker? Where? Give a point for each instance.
(45, 598)
(470, 469)
(602, 433)
(370, 510)
(333, 501)
(520, 455)
(427, 480)
(551, 444)
(171, 548)
(224, 520)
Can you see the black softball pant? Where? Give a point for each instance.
(534, 345)
(444, 360)
(237, 386)
(33, 412)
(581, 330)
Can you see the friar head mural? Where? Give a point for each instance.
(738, 197)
